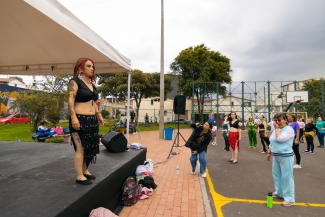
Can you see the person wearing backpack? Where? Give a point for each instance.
(85, 118)
(200, 140)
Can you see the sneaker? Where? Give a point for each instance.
(250, 147)
(298, 166)
(295, 166)
(276, 196)
(193, 173)
(287, 204)
(204, 175)
(311, 152)
(306, 151)
(213, 143)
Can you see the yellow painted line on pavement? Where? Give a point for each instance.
(219, 200)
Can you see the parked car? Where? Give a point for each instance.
(15, 119)
(181, 121)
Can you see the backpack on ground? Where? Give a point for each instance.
(66, 130)
(130, 191)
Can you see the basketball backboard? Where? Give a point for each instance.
(294, 96)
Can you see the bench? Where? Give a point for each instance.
(66, 138)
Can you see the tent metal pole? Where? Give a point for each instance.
(128, 107)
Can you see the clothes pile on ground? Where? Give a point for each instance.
(140, 188)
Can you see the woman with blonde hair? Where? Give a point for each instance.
(251, 130)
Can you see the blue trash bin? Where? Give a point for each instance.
(168, 133)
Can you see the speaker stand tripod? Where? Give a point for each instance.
(176, 138)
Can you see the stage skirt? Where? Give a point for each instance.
(88, 133)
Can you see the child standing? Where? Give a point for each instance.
(214, 133)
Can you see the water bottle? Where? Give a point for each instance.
(177, 169)
(270, 200)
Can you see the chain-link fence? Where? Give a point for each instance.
(257, 98)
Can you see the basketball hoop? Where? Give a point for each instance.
(299, 101)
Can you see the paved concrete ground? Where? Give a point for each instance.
(229, 190)
(246, 184)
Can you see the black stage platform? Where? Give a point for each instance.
(38, 179)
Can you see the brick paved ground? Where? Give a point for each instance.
(176, 195)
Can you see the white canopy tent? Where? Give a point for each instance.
(42, 37)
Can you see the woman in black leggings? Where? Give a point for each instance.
(262, 132)
(295, 145)
(310, 130)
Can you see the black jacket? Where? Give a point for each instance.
(195, 135)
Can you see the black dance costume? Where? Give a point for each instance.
(262, 137)
(89, 126)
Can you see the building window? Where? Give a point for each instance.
(152, 102)
(231, 103)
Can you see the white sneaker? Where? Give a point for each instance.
(295, 166)
(287, 204)
(204, 175)
(298, 167)
(311, 152)
(213, 143)
(192, 172)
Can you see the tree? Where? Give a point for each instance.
(314, 106)
(143, 85)
(204, 67)
(46, 102)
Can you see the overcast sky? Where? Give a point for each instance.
(265, 40)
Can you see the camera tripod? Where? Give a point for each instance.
(176, 139)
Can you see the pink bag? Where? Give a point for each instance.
(59, 130)
(101, 212)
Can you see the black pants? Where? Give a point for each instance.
(310, 143)
(301, 134)
(264, 140)
(226, 145)
(296, 151)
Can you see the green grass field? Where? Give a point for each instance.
(23, 132)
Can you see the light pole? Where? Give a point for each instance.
(161, 114)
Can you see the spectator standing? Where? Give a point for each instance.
(280, 148)
(212, 119)
(295, 146)
(310, 132)
(262, 132)
(320, 124)
(132, 116)
(225, 127)
(214, 133)
(146, 120)
(301, 130)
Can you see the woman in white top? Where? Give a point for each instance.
(302, 129)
